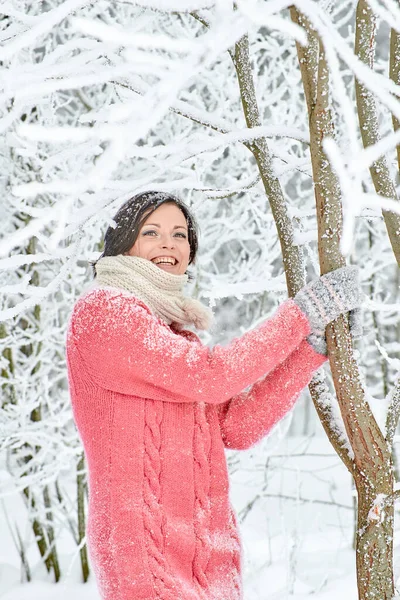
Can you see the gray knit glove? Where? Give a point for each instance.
(324, 299)
(356, 323)
(318, 342)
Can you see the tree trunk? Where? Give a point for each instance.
(292, 255)
(81, 487)
(374, 542)
(362, 447)
(395, 75)
(44, 532)
(372, 465)
(368, 116)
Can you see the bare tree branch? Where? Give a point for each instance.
(393, 414)
(366, 24)
(292, 255)
(394, 72)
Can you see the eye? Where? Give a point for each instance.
(181, 234)
(149, 232)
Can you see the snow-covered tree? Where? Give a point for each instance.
(275, 125)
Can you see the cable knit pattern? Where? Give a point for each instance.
(201, 451)
(235, 554)
(155, 409)
(152, 508)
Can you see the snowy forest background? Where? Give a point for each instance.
(101, 100)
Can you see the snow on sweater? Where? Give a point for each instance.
(155, 408)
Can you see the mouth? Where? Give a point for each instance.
(164, 262)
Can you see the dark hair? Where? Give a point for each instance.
(131, 217)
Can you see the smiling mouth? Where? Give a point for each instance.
(161, 261)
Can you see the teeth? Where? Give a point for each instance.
(168, 261)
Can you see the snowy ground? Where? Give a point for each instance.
(297, 537)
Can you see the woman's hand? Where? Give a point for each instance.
(318, 342)
(324, 299)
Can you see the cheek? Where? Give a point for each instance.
(142, 247)
(135, 250)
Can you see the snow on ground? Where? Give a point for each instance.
(294, 548)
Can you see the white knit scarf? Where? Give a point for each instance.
(159, 290)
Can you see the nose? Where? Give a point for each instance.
(167, 241)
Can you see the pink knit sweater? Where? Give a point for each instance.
(155, 409)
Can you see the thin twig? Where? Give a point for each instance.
(393, 414)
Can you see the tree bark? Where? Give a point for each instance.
(368, 115)
(374, 548)
(292, 256)
(81, 485)
(44, 532)
(373, 470)
(368, 458)
(394, 71)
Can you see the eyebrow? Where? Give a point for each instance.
(157, 225)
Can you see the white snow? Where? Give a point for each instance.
(99, 103)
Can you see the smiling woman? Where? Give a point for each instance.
(148, 251)
(155, 408)
(166, 242)
(128, 233)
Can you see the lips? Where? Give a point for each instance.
(165, 260)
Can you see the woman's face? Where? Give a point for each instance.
(163, 239)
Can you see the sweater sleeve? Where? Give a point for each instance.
(248, 417)
(124, 348)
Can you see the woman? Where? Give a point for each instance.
(155, 408)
